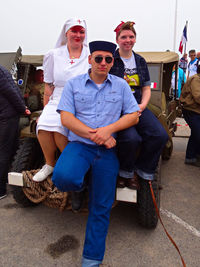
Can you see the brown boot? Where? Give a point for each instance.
(121, 182)
(133, 183)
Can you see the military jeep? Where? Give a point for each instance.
(23, 70)
(164, 105)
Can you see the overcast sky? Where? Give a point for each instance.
(36, 24)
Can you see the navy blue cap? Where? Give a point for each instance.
(102, 46)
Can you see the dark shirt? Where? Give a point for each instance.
(11, 100)
(142, 70)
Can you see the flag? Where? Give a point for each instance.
(183, 39)
(153, 85)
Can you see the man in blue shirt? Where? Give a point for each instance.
(192, 66)
(94, 106)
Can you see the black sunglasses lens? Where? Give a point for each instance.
(98, 59)
(108, 59)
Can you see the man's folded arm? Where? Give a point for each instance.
(102, 134)
(75, 125)
(124, 122)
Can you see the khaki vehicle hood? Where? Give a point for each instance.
(150, 57)
(35, 60)
(8, 59)
(159, 57)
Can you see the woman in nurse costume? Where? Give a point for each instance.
(69, 58)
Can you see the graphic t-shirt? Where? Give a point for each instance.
(130, 72)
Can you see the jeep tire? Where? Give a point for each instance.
(146, 210)
(29, 156)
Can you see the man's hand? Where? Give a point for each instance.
(100, 135)
(111, 142)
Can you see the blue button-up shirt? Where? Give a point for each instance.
(96, 107)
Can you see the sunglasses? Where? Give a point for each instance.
(99, 59)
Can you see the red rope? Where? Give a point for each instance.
(158, 214)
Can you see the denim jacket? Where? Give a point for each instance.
(142, 69)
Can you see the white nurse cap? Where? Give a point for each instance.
(62, 40)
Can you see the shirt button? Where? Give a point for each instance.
(97, 115)
(98, 102)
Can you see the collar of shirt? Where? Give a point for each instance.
(191, 62)
(88, 79)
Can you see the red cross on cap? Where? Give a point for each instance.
(79, 21)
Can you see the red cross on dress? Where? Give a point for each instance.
(72, 61)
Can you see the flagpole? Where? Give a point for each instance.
(186, 31)
(175, 24)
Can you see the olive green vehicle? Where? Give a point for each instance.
(163, 104)
(23, 69)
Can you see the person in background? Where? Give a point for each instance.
(190, 100)
(148, 134)
(11, 107)
(68, 59)
(192, 66)
(183, 63)
(91, 107)
(181, 79)
(35, 86)
(198, 55)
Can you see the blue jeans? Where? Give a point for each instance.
(193, 146)
(68, 175)
(90, 263)
(148, 135)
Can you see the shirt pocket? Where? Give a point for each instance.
(83, 103)
(113, 104)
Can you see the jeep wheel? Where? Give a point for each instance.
(147, 213)
(167, 150)
(29, 156)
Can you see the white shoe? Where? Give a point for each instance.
(43, 173)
